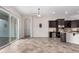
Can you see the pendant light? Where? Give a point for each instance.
(38, 14)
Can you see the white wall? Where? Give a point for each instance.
(27, 26)
(34, 29)
(74, 17)
(37, 31)
(21, 28)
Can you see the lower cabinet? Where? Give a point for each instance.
(63, 37)
(58, 34)
(52, 34)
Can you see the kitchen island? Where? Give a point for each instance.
(72, 37)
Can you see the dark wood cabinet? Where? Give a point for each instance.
(74, 24)
(52, 34)
(71, 23)
(77, 23)
(52, 24)
(60, 21)
(63, 37)
(58, 34)
(67, 24)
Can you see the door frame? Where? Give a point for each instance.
(11, 14)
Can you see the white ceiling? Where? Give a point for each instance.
(48, 10)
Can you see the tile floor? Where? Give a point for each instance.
(40, 45)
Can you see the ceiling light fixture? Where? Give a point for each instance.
(66, 12)
(77, 11)
(38, 14)
(53, 12)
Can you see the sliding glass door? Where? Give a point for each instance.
(8, 28)
(13, 28)
(4, 28)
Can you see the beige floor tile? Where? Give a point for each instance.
(40, 45)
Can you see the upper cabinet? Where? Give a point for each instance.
(67, 24)
(78, 23)
(75, 23)
(52, 24)
(72, 24)
(60, 21)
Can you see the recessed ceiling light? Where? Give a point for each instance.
(66, 12)
(53, 12)
(77, 11)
